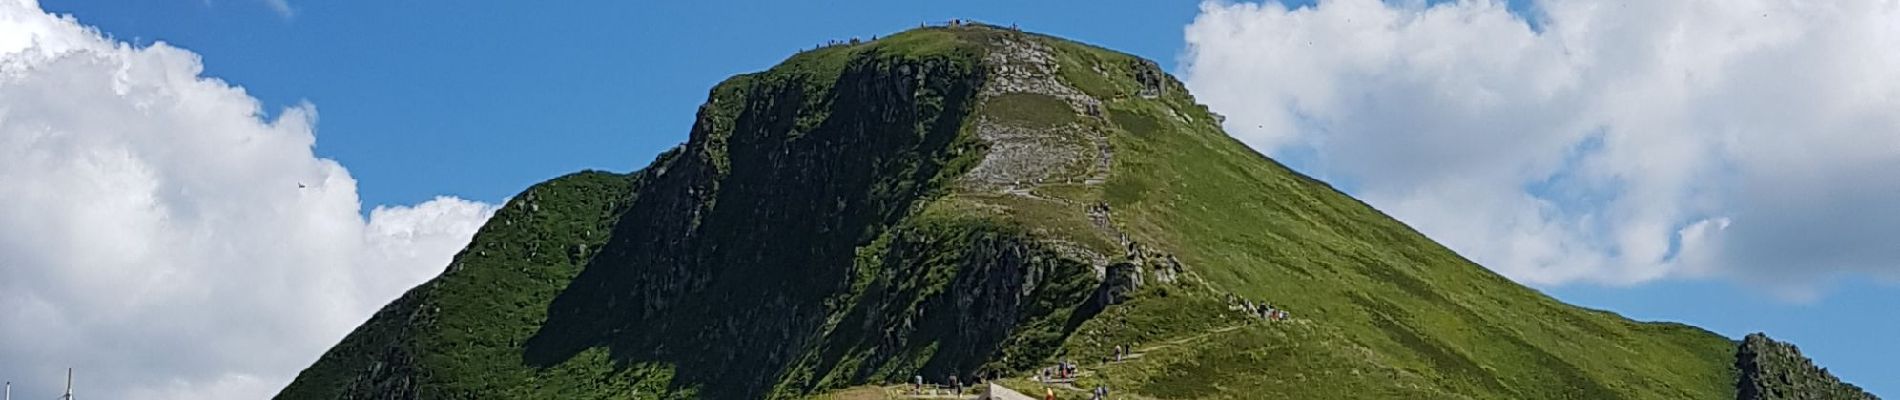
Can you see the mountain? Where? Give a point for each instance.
(973, 200)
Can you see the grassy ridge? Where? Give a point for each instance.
(1437, 322)
(493, 293)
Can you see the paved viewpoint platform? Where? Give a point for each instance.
(998, 392)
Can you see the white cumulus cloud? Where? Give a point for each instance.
(1596, 141)
(162, 235)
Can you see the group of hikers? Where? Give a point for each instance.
(1263, 310)
(958, 22)
(917, 385)
(1063, 371)
(834, 42)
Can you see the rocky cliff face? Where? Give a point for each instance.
(1772, 370)
(790, 245)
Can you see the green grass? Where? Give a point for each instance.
(489, 301)
(1256, 228)
(1030, 110)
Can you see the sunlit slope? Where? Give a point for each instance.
(1382, 306)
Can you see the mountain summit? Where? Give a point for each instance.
(973, 201)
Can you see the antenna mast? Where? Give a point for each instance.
(69, 385)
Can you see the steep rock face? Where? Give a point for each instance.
(789, 246)
(1772, 370)
(729, 282)
(950, 296)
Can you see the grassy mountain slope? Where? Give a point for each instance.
(972, 201)
(1403, 312)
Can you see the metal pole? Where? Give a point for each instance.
(69, 384)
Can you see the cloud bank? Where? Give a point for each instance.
(162, 235)
(1611, 142)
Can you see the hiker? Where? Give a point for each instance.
(1048, 394)
(954, 386)
(917, 384)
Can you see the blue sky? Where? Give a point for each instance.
(479, 99)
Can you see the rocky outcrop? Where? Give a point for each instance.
(1027, 151)
(1163, 266)
(1772, 370)
(1154, 83)
(1121, 282)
